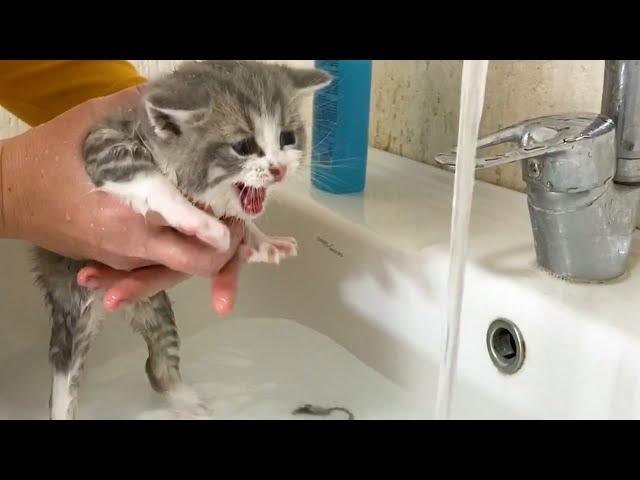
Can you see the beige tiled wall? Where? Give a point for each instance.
(415, 103)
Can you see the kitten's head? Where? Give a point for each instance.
(225, 131)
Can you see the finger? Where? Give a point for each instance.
(185, 254)
(98, 277)
(225, 287)
(188, 254)
(154, 218)
(140, 284)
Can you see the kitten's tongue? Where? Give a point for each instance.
(252, 198)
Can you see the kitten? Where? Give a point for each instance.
(214, 134)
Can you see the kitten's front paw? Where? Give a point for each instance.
(216, 234)
(208, 229)
(270, 250)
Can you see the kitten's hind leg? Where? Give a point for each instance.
(72, 333)
(154, 320)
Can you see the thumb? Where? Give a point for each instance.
(224, 287)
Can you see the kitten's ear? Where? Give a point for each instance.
(170, 122)
(308, 80)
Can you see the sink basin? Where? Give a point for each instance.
(356, 319)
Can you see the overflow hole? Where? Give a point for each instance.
(506, 346)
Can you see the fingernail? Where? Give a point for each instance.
(223, 301)
(113, 303)
(223, 306)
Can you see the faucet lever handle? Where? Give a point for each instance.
(538, 137)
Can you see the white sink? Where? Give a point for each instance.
(371, 276)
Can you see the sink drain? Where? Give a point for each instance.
(505, 345)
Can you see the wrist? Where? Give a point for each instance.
(9, 189)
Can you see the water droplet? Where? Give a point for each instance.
(91, 225)
(67, 217)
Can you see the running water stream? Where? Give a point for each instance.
(474, 75)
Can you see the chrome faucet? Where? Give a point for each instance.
(582, 173)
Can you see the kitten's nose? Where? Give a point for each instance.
(278, 172)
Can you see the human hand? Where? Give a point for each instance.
(122, 288)
(48, 199)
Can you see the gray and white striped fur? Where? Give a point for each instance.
(216, 134)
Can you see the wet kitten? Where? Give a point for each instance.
(215, 134)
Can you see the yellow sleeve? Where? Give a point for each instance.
(38, 90)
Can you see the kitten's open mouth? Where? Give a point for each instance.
(251, 198)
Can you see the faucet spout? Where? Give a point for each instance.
(582, 173)
(621, 103)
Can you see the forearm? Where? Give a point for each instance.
(34, 185)
(5, 229)
(36, 92)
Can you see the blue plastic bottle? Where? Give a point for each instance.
(341, 127)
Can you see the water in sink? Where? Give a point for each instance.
(259, 368)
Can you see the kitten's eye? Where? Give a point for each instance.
(246, 147)
(287, 138)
